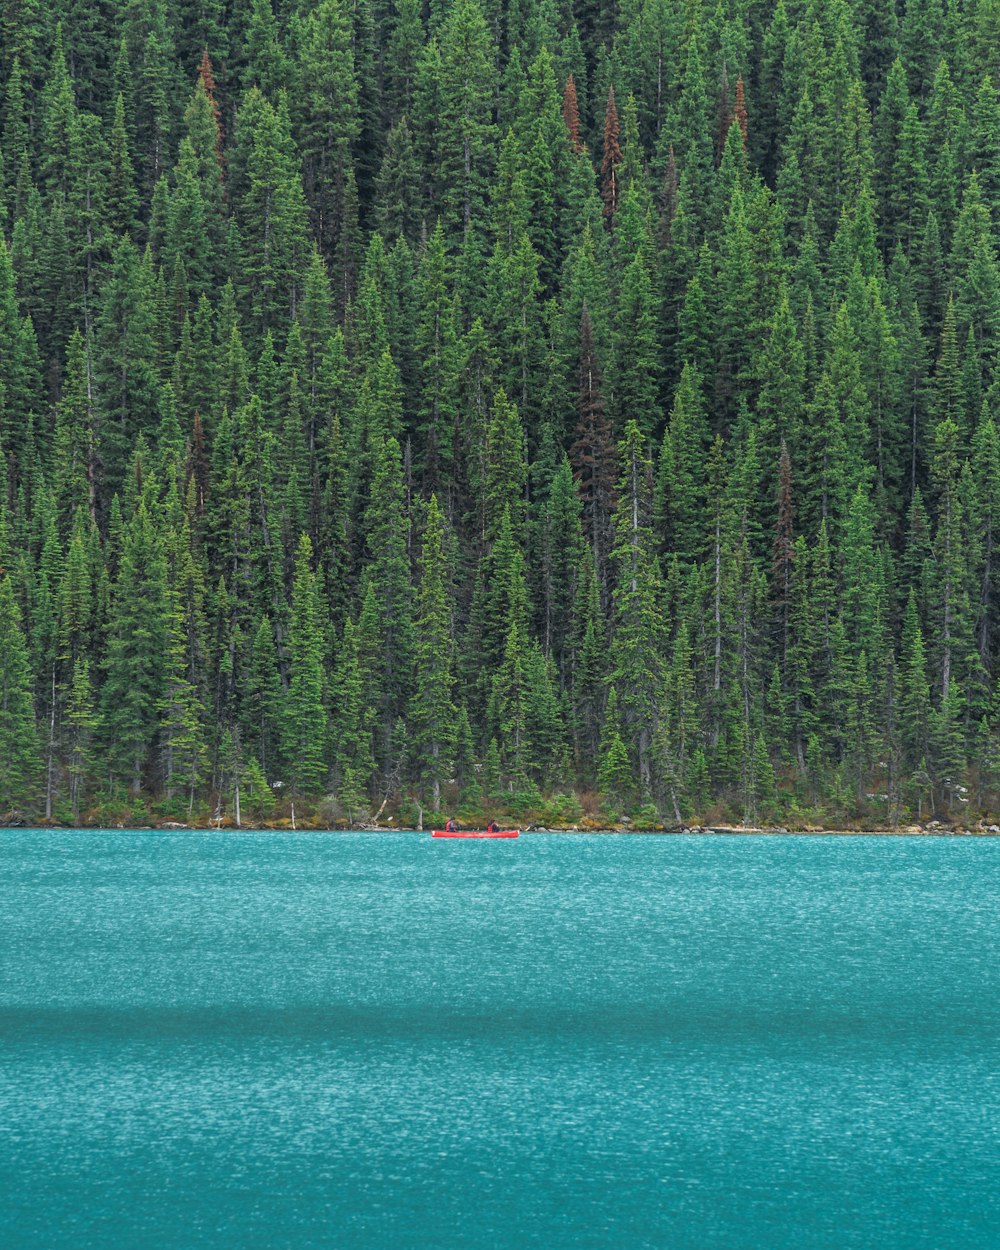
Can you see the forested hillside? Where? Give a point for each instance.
(499, 403)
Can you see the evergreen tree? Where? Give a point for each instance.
(435, 345)
(273, 211)
(463, 130)
(80, 725)
(611, 158)
(388, 578)
(615, 776)
(680, 474)
(329, 122)
(398, 203)
(914, 691)
(305, 718)
(122, 196)
(19, 763)
(637, 657)
(592, 455)
(505, 477)
(561, 554)
(509, 708)
(264, 699)
(432, 711)
(135, 662)
(636, 351)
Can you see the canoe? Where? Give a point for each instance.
(475, 833)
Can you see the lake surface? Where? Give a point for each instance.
(383, 1041)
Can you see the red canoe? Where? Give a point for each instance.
(475, 833)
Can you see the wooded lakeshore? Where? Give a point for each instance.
(559, 411)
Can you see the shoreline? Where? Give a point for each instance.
(932, 829)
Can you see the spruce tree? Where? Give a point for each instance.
(681, 481)
(387, 576)
(19, 762)
(611, 158)
(79, 726)
(273, 210)
(135, 661)
(615, 776)
(637, 653)
(305, 717)
(592, 455)
(329, 121)
(463, 132)
(432, 712)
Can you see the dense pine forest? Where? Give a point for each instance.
(550, 408)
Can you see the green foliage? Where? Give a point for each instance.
(19, 762)
(305, 719)
(637, 647)
(432, 712)
(335, 345)
(615, 774)
(139, 631)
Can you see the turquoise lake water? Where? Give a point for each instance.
(383, 1041)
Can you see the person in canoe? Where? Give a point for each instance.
(452, 825)
(493, 827)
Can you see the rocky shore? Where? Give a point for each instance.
(930, 828)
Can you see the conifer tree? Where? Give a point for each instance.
(681, 470)
(122, 196)
(637, 358)
(182, 741)
(183, 745)
(79, 726)
(986, 473)
(305, 718)
(397, 200)
(950, 603)
(203, 123)
(463, 133)
(571, 115)
(264, 699)
(388, 578)
(432, 712)
(914, 691)
(637, 656)
(125, 355)
(435, 342)
(509, 708)
(355, 705)
(273, 210)
(19, 763)
(592, 456)
(615, 776)
(136, 654)
(505, 476)
(611, 158)
(264, 55)
(562, 552)
(329, 121)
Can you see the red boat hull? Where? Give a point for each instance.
(475, 833)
